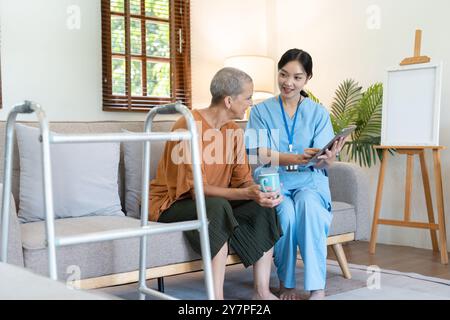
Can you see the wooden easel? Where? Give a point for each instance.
(417, 58)
(410, 152)
(431, 225)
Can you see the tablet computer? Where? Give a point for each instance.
(343, 134)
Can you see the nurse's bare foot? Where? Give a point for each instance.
(289, 293)
(317, 295)
(264, 296)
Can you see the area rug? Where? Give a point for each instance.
(392, 285)
(366, 283)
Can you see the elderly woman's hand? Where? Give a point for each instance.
(330, 155)
(264, 199)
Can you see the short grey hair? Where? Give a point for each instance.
(227, 82)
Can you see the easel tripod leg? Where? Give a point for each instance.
(428, 200)
(408, 186)
(376, 213)
(440, 206)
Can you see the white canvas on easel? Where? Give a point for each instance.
(411, 105)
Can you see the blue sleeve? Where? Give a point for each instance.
(257, 133)
(323, 131)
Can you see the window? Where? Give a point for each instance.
(146, 53)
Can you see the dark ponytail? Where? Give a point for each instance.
(301, 57)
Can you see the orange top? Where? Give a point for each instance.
(224, 164)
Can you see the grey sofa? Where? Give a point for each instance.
(116, 262)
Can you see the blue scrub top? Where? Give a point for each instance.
(313, 129)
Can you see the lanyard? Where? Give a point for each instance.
(290, 133)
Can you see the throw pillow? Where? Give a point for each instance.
(133, 172)
(84, 178)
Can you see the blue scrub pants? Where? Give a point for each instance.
(305, 222)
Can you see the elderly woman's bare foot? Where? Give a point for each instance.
(317, 295)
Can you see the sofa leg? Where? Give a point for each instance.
(161, 284)
(342, 260)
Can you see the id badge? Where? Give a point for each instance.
(291, 167)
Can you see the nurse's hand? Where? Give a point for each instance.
(264, 199)
(330, 155)
(308, 153)
(303, 159)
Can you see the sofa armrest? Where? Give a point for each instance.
(15, 251)
(349, 183)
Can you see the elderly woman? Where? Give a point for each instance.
(240, 215)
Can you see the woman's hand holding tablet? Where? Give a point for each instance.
(336, 143)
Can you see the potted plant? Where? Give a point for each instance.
(353, 106)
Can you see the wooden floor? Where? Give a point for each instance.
(399, 258)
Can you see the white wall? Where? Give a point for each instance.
(337, 36)
(43, 60)
(220, 29)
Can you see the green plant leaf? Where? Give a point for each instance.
(369, 113)
(352, 106)
(312, 96)
(347, 97)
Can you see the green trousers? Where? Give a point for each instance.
(249, 229)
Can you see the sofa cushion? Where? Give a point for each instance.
(132, 154)
(344, 218)
(101, 258)
(84, 178)
(132, 158)
(15, 255)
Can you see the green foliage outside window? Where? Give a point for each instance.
(157, 46)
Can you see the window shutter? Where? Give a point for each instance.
(146, 53)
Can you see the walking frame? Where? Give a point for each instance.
(46, 138)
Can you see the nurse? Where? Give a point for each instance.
(291, 128)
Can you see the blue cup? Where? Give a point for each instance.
(269, 182)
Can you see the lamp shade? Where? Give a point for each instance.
(261, 69)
